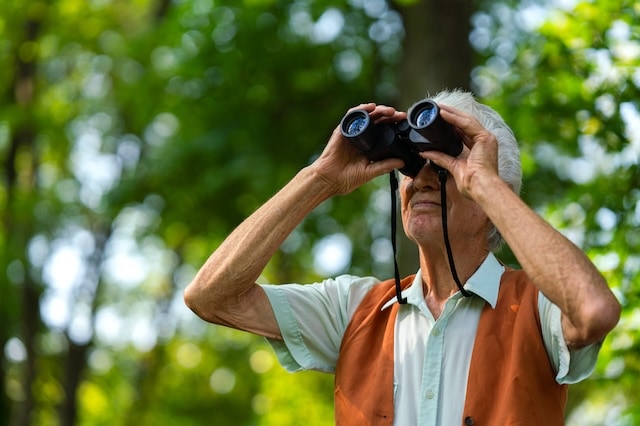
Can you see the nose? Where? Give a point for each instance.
(426, 179)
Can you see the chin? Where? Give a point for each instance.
(424, 225)
(421, 234)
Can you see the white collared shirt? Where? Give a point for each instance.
(432, 357)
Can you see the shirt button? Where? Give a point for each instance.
(468, 421)
(435, 332)
(429, 395)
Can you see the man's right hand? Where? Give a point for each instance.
(342, 167)
(224, 291)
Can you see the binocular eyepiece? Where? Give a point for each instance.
(423, 130)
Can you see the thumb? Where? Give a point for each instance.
(439, 158)
(378, 168)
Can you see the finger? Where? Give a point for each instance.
(399, 116)
(382, 111)
(378, 168)
(439, 158)
(369, 107)
(469, 128)
(387, 113)
(469, 125)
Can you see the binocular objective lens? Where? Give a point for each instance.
(426, 116)
(356, 126)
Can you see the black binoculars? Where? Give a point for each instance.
(423, 130)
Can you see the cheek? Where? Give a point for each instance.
(467, 211)
(404, 215)
(474, 219)
(405, 194)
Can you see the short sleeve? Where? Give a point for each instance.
(570, 366)
(312, 319)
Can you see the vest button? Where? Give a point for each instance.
(468, 421)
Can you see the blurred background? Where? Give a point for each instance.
(135, 134)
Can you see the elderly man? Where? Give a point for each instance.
(499, 350)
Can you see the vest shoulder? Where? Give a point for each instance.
(389, 287)
(516, 279)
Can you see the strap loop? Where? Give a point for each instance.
(393, 182)
(442, 177)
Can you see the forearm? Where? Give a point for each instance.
(232, 269)
(224, 289)
(555, 265)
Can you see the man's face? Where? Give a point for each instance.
(422, 214)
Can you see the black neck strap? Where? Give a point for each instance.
(393, 181)
(442, 177)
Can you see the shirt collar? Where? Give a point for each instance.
(485, 282)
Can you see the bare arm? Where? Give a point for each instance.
(555, 265)
(224, 289)
(560, 269)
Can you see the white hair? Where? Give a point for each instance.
(509, 167)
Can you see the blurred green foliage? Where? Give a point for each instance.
(136, 134)
(571, 90)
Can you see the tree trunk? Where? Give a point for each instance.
(21, 188)
(437, 53)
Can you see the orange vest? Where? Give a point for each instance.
(511, 380)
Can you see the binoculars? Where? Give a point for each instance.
(423, 130)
